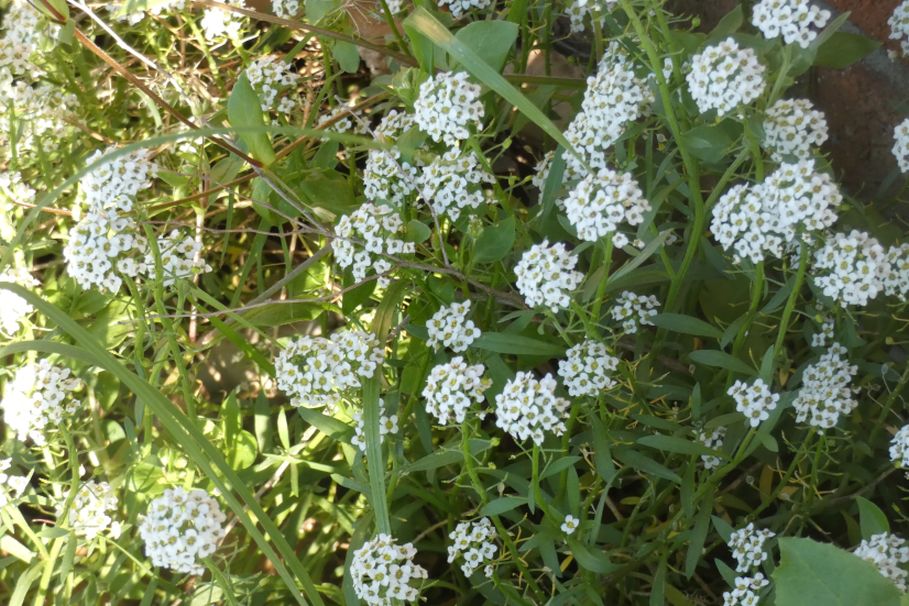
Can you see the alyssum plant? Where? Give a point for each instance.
(449, 324)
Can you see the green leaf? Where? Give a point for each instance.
(728, 25)
(820, 573)
(502, 505)
(720, 359)
(594, 560)
(645, 464)
(675, 445)
(347, 56)
(242, 450)
(417, 231)
(843, 49)
(422, 21)
(244, 111)
(698, 538)
(687, 325)
(507, 343)
(711, 143)
(490, 40)
(434, 460)
(495, 241)
(872, 520)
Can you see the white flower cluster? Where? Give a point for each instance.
(218, 24)
(13, 191)
(474, 542)
(11, 486)
(448, 105)
(569, 524)
(181, 528)
(896, 271)
(889, 553)
(795, 201)
(91, 509)
(452, 387)
(792, 127)
(269, 77)
(899, 447)
(754, 400)
(38, 113)
(387, 176)
(315, 371)
(826, 391)
(37, 398)
(587, 368)
(22, 34)
(454, 182)
(725, 76)
(450, 327)
(286, 8)
(579, 10)
(850, 268)
(747, 545)
(614, 97)
(388, 424)
(528, 407)
(899, 25)
(826, 333)
(181, 257)
(791, 19)
(901, 145)
(547, 276)
(459, 7)
(120, 9)
(714, 440)
(364, 237)
(746, 590)
(634, 310)
(13, 308)
(383, 571)
(115, 184)
(601, 202)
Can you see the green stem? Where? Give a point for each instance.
(601, 288)
(790, 302)
(375, 462)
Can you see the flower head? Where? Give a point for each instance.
(850, 268)
(450, 327)
(448, 107)
(796, 21)
(602, 202)
(587, 369)
(792, 127)
(91, 509)
(754, 400)
(889, 553)
(37, 398)
(529, 408)
(725, 76)
(474, 543)
(366, 237)
(452, 388)
(634, 310)
(748, 547)
(383, 571)
(546, 276)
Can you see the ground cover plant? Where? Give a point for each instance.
(464, 302)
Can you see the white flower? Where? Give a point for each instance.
(387, 176)
(115, 184)
(269, 77)
(603, 201)
(826, 393)
(90, 512)
(754, 400)
(901, 145)
(13, 191)
(181, 528)
(745, 591)
(454, 182)
(850, 268)
(614, 97)
(448, 106)
(713, 440)
(547, 277)
(899, 25)
(748, 547)
(180, 255)
(570, 524)
(286, 8)
(587, 369)
(388, 425)
(37, 398)
(634, 310)
(315, 371)
(896, 271)
(383, 571)
(899, 447)
(14, 309)
(889, 553)
(826, 333)
(451, 388)
(792, 127)
(793, 203)
(724, 77)
(474, 543)
(11, 486)
(218, 23)
(527, 408)
(24, 32)
(459, 7)
(791, 19)
(366, 237)
(579, 10)
(450, 327)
